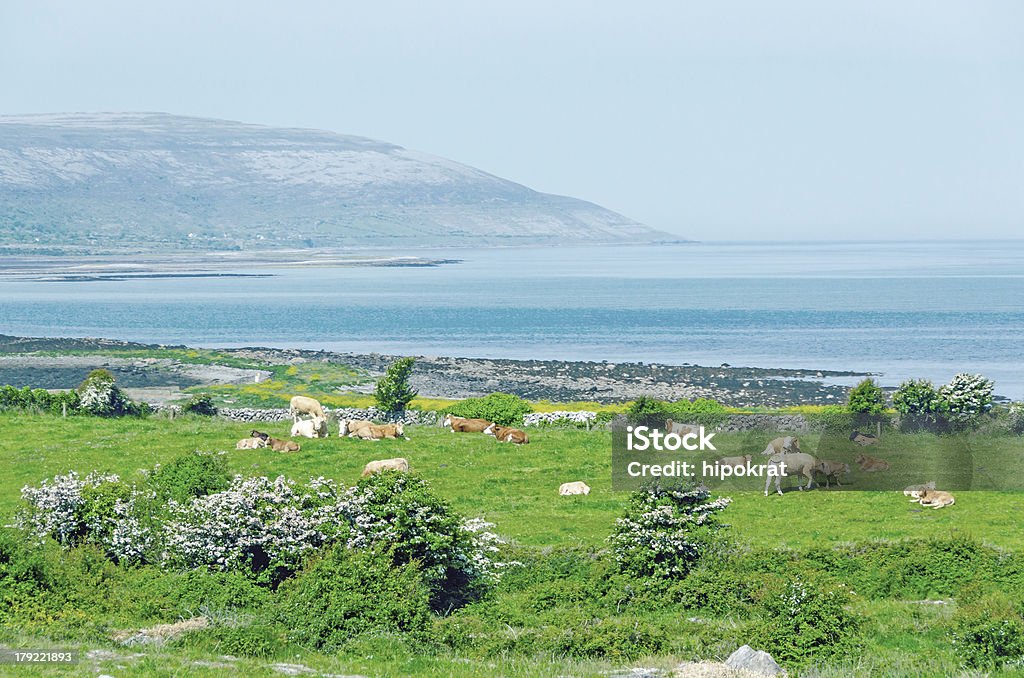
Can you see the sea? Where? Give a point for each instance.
(894, 309)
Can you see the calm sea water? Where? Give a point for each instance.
(898, 309)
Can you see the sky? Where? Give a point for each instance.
(731, 120)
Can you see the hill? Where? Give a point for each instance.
(146, 181)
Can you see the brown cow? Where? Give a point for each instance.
(871, 464)
(505, 434)
(279, 445)
(461, 425)
(377, 432)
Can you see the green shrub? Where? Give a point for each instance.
(393, 392)
(800, 618)
(919, 404)
(666, 529)
(867, 398)
(256, 640)
(502, 408)
(158, 594)
(718, 590)
(650, 412)
(988, 632)
(1015, 418)
(200, 404)
(191, 475)
(612, 638)
(348, 593)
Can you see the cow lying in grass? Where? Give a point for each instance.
(681, 429)
(569, 489)
(279, 445)
(935, 498)
(378, 432)
(398, 464)
(350, 426)
(310, 428)
(504, 434)
(461, 425)
(863, 439)
(871, 464)
(254, 443)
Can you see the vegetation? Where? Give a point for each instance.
(867, 398)
(393, 391)
(200, 404)
(501, 408)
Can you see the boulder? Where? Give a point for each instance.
(760, 662)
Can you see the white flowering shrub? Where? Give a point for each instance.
(257, 525)
(1015, 418)
(99, 396)
(57, 508)
(666, 530)
(966, 397)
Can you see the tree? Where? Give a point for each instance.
(966, 397)
(867, 398)
(99, 396)
(393, 392)
(918, 402)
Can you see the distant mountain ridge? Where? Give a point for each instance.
(150, 181)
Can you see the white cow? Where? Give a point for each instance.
(305, 405)
(578, 487)
(788, 464)
(310, 428)
(397, 464)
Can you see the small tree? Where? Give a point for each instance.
(867, 398)
(201, 404)
(393, 392)
(918, 403)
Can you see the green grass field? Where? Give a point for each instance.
(516, 488)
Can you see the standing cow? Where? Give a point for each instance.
(305, 405)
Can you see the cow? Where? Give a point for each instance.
(863, 439)
(259, 434)
(253, 443)
(279, 445)
(305, 405)
(784, 444)
(735, 461)
(461, 425)
(578, 487)
(831, 470)
(681, 429)
(310, 428)
(504, 434)
(871, 464)
(350, 426)
(377, 432)
(790, 464)
(398, 464)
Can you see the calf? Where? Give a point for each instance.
(352, 425)
(780, 445)
(681, 429)
(253, 443)
(398, 464)
(831, 470)
(863, 439)
(461, 425)
(259, 434)
(871, 464)
(578, 487)
(279, 445)
(504, 434)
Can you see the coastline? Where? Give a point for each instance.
(26, 358)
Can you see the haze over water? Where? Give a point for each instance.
(899, 309)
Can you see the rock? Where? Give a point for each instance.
(760, 662)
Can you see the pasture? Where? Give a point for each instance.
(563, 599)
(516, 487)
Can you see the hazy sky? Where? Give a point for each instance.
(715, 120)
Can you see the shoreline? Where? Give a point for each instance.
(447, 377)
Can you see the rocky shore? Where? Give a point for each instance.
(451, 377)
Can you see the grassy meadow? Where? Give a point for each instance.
(566, 587)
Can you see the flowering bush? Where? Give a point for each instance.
(265, 528)
(99, 396)
(966, 397)
(256, 525)
(666, 530)
(1015, 418)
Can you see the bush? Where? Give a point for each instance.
(651, 412)
(393, 392)
(351, 592)
(1015, 418)
(398, 511)
(867, 398)
(189, 476)
(988, 633)
(800, 618)
(502, 408)
(918, 403)
(99, 396)
(966, 398)
(200, 404)
(38, 400)
(666, 529)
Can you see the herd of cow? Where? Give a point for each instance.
(785, 454)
